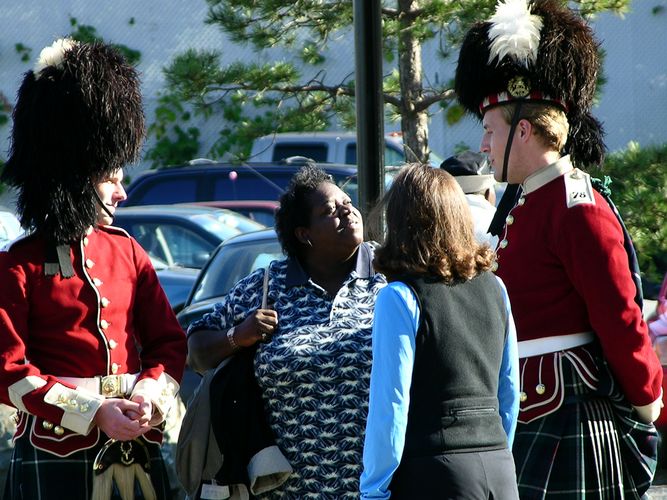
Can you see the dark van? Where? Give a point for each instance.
(224, 181)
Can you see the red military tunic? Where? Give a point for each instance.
(566, 271)
(111, 318)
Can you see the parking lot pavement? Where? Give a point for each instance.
(659, 489)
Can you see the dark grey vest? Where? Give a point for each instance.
(459, 347)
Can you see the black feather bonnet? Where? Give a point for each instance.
(78, 118)
(539, 51)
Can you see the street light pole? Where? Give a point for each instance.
(369, 102)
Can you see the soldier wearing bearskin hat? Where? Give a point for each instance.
(92, 354)
(590, 381)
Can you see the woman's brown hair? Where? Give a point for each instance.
(429, 228)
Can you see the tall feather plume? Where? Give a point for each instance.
(54, 55)
(514, 32)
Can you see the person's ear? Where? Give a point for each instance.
(524, 128)
(301, 234)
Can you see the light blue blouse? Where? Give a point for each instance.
(394, 330)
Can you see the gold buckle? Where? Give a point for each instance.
(111, 386)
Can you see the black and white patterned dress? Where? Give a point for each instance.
(315, 373)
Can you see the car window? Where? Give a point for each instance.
(166, 191)
(391, 156)
(250, 185)
(351, 185)
(187, 248)
(351, 154)
(175, 245)
(317, 152)
(234, 223)
(10, 227)
(264, 217)
(224, 226)
(262, 260)
(232, 263)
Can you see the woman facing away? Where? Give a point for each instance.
(444, 385)
(313, 357)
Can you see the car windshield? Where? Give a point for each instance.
(10, 228)
(351, 184)
(214, 225)
(233, 262)
(233, 219)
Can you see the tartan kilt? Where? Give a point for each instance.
(39, 475)
(591, 447)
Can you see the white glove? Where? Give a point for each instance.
(649, 413)
(659, 325)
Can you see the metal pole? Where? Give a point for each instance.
(369, 102)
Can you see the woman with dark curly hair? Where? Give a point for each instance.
(444, 386)
(313, 346)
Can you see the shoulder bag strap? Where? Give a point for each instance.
(265, 287)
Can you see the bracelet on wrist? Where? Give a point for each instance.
(230, 339)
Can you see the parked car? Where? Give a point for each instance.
(177, 282)
(223, 181)
(182, 235)
(10, 227)
(326, 147)
(657, 325)
(232, 260)
(262, 211)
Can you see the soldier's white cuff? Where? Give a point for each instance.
(80, 407)
(24, 386)
(161, 393)
(650, 412)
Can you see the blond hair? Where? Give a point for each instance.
(549, 122)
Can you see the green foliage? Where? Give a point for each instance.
(23, 51)
(251, 99)
(241, 94)
(639, 190)
(310, 54)
(454, 114)
(87, 34)
(174, 144)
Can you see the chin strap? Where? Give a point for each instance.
(507, 202)
(101, 203)
(512, 192)
(58, 260)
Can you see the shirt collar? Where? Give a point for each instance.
(296, 275)
(547, 174)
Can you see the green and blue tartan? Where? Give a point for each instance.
(592, 447)
(39, 475)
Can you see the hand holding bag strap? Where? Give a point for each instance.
(265, 287)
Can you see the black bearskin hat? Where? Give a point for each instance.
(538, 51)
(78, 118)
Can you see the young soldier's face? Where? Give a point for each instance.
(111, 192)
(494, 140)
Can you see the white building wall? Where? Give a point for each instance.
(632, 105)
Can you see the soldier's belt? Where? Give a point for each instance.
(110, 386)
(536, 347)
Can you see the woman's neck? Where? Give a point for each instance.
(327, 274)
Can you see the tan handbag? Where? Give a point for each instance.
(198, 456)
